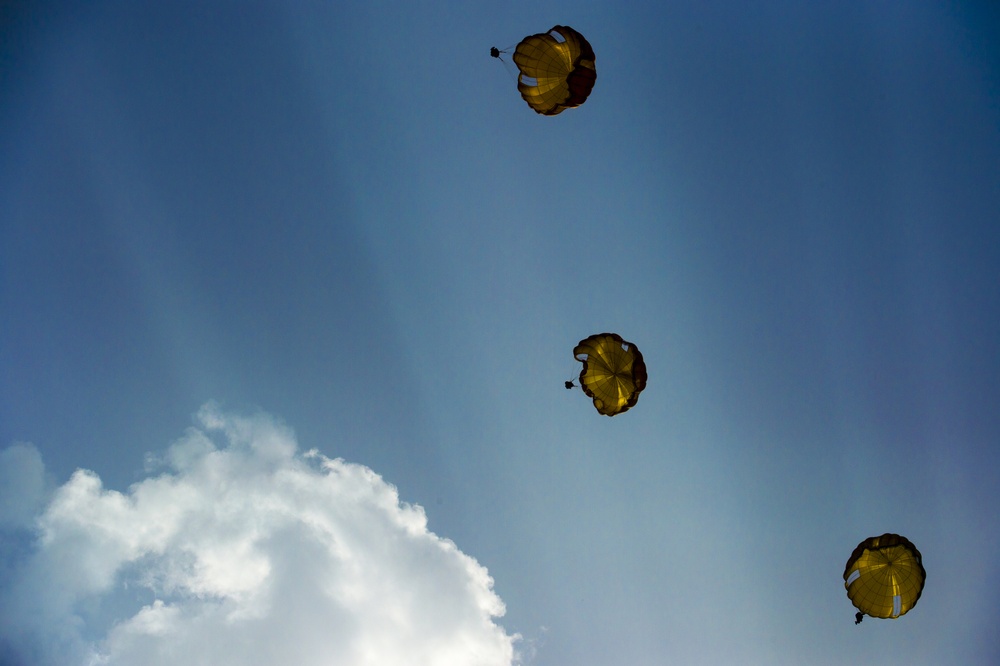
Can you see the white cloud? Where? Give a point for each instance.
(242, 551)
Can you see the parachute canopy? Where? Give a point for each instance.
(884, 576)
(557, 70)
(613, 372)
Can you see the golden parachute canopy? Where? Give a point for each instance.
(613, 372)
(557, 70)
(884, 577)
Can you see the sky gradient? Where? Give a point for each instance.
(306, 270)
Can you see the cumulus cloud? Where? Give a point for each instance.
(237, 549)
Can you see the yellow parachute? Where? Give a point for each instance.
(557, 70)
(613, 372)
(884, 577)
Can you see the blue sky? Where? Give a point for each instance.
(340, 229)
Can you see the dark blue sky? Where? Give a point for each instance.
(348, 219)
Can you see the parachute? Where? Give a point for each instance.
(884, 577)
(557, 70)
(613, 372)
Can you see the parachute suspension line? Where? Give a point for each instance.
(507, 65)
(512, 72)
(496, 53)
(573, 377)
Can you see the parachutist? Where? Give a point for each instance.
(858, 617)
(570, 385)
(495, 52)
